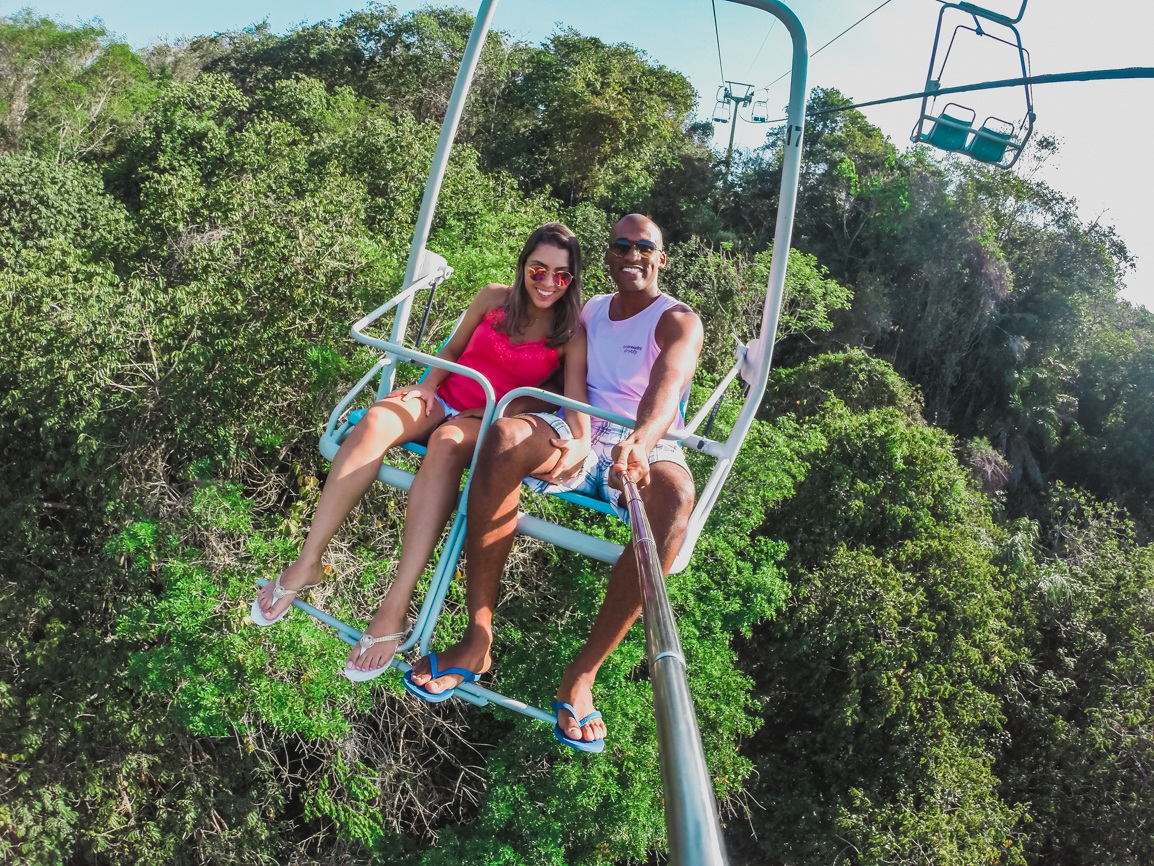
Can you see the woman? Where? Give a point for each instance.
(515, 336)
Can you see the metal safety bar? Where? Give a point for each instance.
(691, 820)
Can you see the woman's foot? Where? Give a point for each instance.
(295, 577)
(577, 689)
(471, 653)
(379, 654)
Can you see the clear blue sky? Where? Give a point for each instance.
(1105, 127)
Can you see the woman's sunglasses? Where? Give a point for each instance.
(622, 246)
(561, 278)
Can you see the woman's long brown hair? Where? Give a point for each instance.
(567, 311)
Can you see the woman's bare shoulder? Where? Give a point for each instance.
(494, 294)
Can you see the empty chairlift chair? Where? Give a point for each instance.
(948, 131)
(990, 143)
(996, 142)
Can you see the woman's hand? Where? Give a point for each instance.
(422, 391)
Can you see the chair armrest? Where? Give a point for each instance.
(698, 443)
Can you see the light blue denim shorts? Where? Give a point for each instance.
(593, 477)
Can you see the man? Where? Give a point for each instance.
(643, 349)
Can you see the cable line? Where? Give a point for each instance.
(831, 42)
(763, 41)
(1126, 73)
(717, 33)
(1054, 78)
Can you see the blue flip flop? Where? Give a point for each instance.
(424, 695)
(594, 746)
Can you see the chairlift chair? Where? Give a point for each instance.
(721, 111)
(427, 270)
(997, 142)
(760, 112)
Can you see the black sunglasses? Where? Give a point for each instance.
(622, 246)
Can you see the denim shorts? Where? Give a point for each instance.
(449, 410)
(593, 477)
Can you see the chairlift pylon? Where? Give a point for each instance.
(996, 142)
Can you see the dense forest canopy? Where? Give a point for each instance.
(920, 624)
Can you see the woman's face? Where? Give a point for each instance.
(547, 275)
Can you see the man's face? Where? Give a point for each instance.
(634, 270)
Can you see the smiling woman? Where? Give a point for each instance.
(514, 336)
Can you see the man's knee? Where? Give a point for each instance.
(501, 449)
(670, 493)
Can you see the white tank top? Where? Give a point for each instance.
(622, 355)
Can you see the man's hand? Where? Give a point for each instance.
(569, 461)
(630, 458)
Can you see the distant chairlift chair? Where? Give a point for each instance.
(997, 142)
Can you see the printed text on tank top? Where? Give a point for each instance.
(507, 365)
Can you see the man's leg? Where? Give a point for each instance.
(513, 448)
(668, 503)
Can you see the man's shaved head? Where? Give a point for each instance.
(641, 223)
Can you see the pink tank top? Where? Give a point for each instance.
(505, 364)
(622, 354)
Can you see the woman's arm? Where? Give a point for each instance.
(576, 383)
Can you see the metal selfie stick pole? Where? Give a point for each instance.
(691, 820)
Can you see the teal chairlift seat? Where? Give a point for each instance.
(949, 132)
(993, 145)
(990, 144)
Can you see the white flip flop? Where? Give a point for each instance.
(278, 592)
(364, 644)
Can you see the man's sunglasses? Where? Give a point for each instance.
(561, 278)
(622, 246)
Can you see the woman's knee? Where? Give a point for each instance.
(450, 443)
(379, 422)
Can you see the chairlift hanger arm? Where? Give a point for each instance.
(986, 13)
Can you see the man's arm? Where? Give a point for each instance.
(679, 336)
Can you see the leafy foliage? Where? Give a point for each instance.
(888, 665)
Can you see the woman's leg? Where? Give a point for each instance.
(432, 499)
(389, 422)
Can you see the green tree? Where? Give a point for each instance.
(592, 122)
(64, 93)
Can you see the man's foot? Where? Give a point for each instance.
(379, 654)
(296, 576)
(577, 689)
(472, 654)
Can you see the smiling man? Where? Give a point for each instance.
(643, 349)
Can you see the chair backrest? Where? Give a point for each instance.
(989, 144)
(949, 132)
